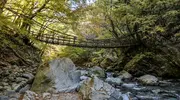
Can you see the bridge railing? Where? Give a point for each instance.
(74, 41)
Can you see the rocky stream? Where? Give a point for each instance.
(62, 80)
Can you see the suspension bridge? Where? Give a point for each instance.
(58, 38)
(69, 40)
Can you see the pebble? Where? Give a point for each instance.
(46, 96)
(156, 91)
(12, 94)
(1, 88)
(148, 97)
(28, 76)
(24, 89)
(138, 88)
(129, 85)
(7, 87)
(5, 84)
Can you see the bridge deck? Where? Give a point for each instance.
(73, 41)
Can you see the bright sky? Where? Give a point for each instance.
(88, 2)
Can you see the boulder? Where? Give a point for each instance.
(115, 81)
(61, 75)
(97, 71)
(156, 64)
(96, 89)
(125, 75)
(148, 79)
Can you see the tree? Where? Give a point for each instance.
(32, 15)
(2, 4)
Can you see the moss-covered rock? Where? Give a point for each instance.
(137, 65)
(60, 75)
(42, 82)
(156, 64)
(106, 62)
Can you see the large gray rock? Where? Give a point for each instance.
(61, 75)
(148, 79)
(96, 89)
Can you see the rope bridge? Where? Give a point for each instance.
(69, 40)
(59, 38)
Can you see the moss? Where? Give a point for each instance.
(164, 65)
(170, 72)
(136, 60)
(41, 82)
(169, 64)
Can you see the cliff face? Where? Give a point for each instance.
(17, 64)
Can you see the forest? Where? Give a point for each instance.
(90, 49)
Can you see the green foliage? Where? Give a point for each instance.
(78, 55)
(171, 57)
(143, 19)
(137, 59)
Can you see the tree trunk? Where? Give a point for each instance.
(2, 4)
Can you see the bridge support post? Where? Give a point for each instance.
(74, 42)
(63, 39)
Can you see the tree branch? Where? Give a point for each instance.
(114, 33)
(40, 9)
